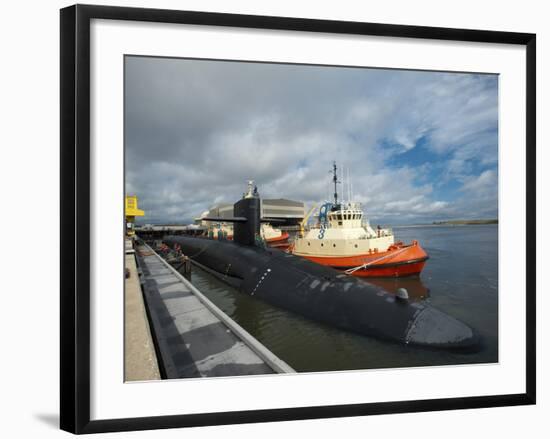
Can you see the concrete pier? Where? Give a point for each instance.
(194, 338)
(140, 361)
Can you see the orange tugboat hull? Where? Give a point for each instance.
(280, 242)
(283, 237)
(399, 260)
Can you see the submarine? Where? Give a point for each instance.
(318, 292)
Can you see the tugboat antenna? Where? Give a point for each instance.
(335, 180)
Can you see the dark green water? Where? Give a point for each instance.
(460, 278)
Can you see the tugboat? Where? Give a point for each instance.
(344, 239)
(272, 237)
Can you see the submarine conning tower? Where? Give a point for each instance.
(315, 291)
(246, 217)
(245, 232)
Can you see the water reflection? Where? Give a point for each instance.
(415, 287)
(249, 310)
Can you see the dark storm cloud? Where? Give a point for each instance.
(197, 130)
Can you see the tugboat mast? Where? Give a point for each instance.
(335, 179)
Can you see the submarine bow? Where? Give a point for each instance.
(318, 292)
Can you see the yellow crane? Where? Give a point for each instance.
(131, 211)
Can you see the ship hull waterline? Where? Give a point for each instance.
(400, 261)
(326, 295)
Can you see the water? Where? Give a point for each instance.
(460, 278)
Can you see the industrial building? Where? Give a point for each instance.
(291, 212)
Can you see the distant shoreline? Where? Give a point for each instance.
(476, 222)
(465, 222)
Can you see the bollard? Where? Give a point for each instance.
(186, 266)
(182, 264)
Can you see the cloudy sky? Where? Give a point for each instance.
(418, 146)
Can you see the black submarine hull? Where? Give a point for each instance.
(323, 294)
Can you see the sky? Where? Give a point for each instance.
(418, 146)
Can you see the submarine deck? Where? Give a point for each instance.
(193, 337)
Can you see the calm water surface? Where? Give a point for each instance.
(460, 278)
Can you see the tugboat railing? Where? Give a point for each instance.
(366, 265)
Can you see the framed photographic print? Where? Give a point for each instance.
(285, 218)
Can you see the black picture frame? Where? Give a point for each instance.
(75, 217)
